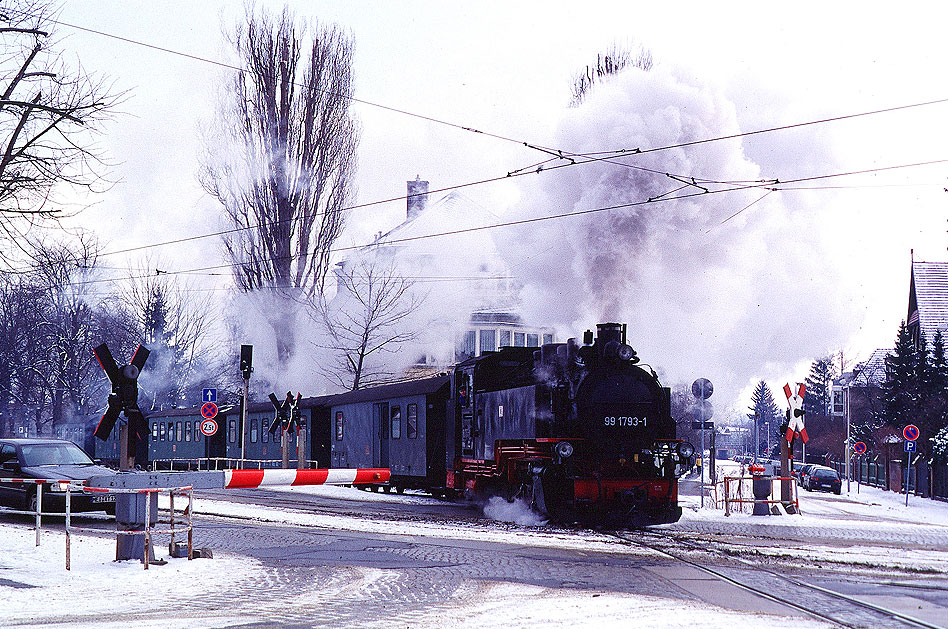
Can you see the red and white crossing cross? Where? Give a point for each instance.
(795, 400)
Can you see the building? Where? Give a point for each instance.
(461, 271)
(928, 301)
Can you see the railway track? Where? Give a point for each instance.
(821, 603)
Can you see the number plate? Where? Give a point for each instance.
(103, 498)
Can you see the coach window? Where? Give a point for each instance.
(518, 339)
(412, 426)
(396, 422)
(253, 431)
(265, 431)
(488, 341)
(532, 340)
(504, 338)
(547, 339)
(467, 346)
(187, 431)
(338, 425)
(161, 431)
(232, 431)
(179, 432)
(154, 428)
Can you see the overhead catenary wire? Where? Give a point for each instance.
(537, 219)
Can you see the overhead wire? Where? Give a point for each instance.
(576, 213)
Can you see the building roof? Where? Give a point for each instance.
(928, 298)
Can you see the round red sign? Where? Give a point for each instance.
(209, 410)
(910, 432)
(859, 447)
(209, 427)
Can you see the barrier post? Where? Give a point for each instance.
(39, 511)
(171, 506)
(190, 524)
(147, 529)
(68, 522)
(727, 495)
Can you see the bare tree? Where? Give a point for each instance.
(49, 115)
(285, 173)
(369, 316)
(612, 62)
(175, 323)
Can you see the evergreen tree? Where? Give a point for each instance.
(766, 414)
(901, 391)
(819, 386)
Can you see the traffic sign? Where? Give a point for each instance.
(702, 388)
(209, 427)
(910, 432)
(209, 395)
(859, 447)
(209, 410)
(910, 446)
(698, 425)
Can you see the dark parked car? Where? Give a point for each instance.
(824, 478)
(51, 459)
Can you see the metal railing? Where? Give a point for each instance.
(734, 492)
(148, 531)
(222, 463)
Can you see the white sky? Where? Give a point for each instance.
(505, 68)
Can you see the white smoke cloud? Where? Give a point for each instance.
(732, 300)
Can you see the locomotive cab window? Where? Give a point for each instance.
(412, 426)
(396, 422)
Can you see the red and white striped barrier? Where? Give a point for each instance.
(241, 479)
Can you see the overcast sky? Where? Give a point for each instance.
(505, 69)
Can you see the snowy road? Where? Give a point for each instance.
(386, 560)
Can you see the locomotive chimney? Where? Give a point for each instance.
(606, 332)
(417, 197)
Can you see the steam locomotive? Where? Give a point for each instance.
(581, 432)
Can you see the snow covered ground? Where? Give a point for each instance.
(36, 590)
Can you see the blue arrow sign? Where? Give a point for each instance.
(209, 395)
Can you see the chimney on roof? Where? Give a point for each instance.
(417, 197)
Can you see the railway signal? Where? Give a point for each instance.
(795, 414)
(124, 395)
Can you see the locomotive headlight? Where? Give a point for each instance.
(685, 449)
(625, 352)
(564, 449)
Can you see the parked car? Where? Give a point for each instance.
(51, 459)
(824, 478)
(804, 474)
